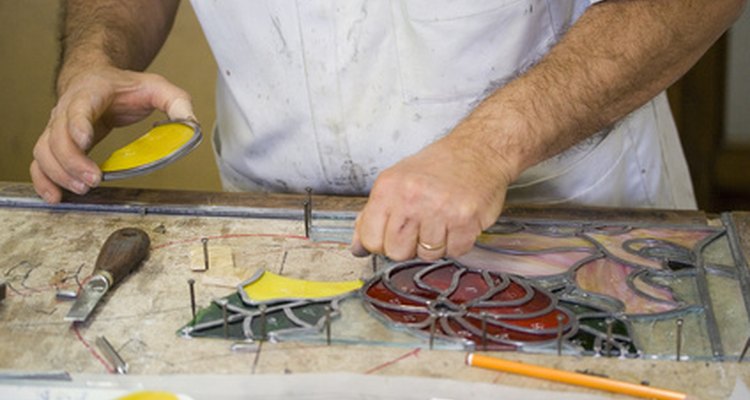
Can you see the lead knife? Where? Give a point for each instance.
(121, 253)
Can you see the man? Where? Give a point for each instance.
(437, 108)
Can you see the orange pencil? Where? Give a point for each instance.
(573, 378)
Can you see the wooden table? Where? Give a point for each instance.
(47, 249)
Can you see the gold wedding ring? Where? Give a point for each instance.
(430, 247)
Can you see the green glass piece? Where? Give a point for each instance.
(593, 319)
(657, 337)
(275, 321)
(311, 314)
(214, 313)
(718, 252)
(280, 318)
(726, 295)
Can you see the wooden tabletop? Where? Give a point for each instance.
(47, 249)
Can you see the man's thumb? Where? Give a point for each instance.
(181, 108)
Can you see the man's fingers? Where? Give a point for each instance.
(433, 238)
(43, 186)
(356, 247)
(181, 108)
(48, 168)
(170, 99)
(460, 239)
(80, 116)
(66, 153)
(400, 237)
(370, 227)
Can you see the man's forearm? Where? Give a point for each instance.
(124, 34)
(620, 54)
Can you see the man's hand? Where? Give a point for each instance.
(90, 105)
(615, 58)
(102, 43)
(434, 203)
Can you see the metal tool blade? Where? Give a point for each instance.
(123, 250)
(120, 366)
(90, 295)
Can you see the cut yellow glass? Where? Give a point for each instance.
(269, 287)
(161, 145)
(147, 395)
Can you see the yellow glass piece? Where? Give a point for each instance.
(157, 144)
(272, 287)
(150, 396)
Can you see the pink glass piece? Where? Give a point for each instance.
(527, 241)
(613, 244)
(531, 265)
(609, 278)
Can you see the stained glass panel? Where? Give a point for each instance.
(624, 290)
(536, 286)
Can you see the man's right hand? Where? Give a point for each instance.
(91, 103)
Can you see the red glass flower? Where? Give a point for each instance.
(489, 309)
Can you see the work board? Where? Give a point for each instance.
(47, 251)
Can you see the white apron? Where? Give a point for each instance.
(329, 93)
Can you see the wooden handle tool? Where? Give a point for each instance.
(121, 253)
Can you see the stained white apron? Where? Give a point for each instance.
(328, 93)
